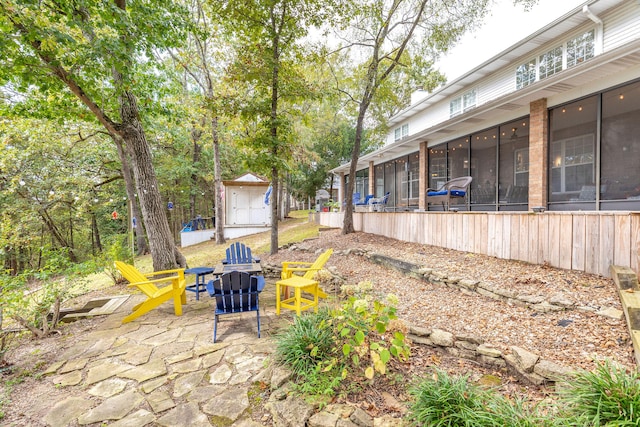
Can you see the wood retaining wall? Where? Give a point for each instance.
(584, 241)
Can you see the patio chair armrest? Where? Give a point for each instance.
(180, 272)
(286, 264)
(305, 269)
(210, 287)
(164, 279)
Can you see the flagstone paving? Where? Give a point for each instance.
(161, 369)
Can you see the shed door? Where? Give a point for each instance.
(248, 207)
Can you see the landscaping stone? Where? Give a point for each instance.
(139, 418)
(187, 415)
(108, 388)
(113, 408)
(103, 371)
(160, 401)
(552, 370)
(187, 383)
(64, 412)
(442, 338)
(611, 312)
(229, 404)
(524, 359)
(153, 369)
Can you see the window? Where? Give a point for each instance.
(581, 48)
(469, 100)
(455, 107)
(550, 63)
(572, 163)
(411, 180)
(521, 167)
(526, 74)
(401, 132)
(462, 103)
(437, 166)
(571, 53)
(362, 182)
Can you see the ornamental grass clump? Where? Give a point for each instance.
(443, 400)
(353, 343)
(609, 395)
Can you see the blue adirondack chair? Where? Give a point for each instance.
(238, 253)
(235, 292)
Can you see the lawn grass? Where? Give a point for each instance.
(295, 228)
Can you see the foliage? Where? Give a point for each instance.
(34, 297)
(443, 400)
(117, 249)
(295, 345)
(609, 395)
(347, 344)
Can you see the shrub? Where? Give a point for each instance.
(33, 298)
(305, 343)
(352, 342)
(607, 396)
(443, 400)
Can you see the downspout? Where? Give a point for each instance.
(599, 38)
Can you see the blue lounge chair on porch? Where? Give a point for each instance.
(238, 253)
(380, 203)
(455, 188)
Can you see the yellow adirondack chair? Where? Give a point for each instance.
(305, 283)
(155, 295)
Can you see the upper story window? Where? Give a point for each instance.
(550, 63)
(581, 48)
(401, 132)
(573, 52)
(462, 103)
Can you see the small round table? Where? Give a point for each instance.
(200, 283)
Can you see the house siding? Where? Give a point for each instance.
(621, 26)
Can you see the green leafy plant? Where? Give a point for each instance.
(116, 249)
(352, 342)
(306, 343)
(443, 400)
(361, 332)
(609, 395)
(33, 298)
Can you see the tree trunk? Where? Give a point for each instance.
(141, 241)
(219, 211)
(96, 244)
(164, 253)
(274, 210)
(56, 234)
(196, 134)
(347, 225)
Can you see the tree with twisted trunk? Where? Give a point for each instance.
(94, 51)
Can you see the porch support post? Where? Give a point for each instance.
(423, 174)
(538, 153)
(372, 179)
(341, 189)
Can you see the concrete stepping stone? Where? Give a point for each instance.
(151, 385)
(179, 357)
(160, 401)
(164, 338)
(186, 366)
(64, 412)
(139, 418)
(71, 378)
(187, 415)
(73, 365)
(114, 408)
(104, 370)
(187, 383)
(54, 367)
(221, 375)
(230, 404)
(202, 394)
(108, 388)
(212, 359)
(145, 372)
(137, 354)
